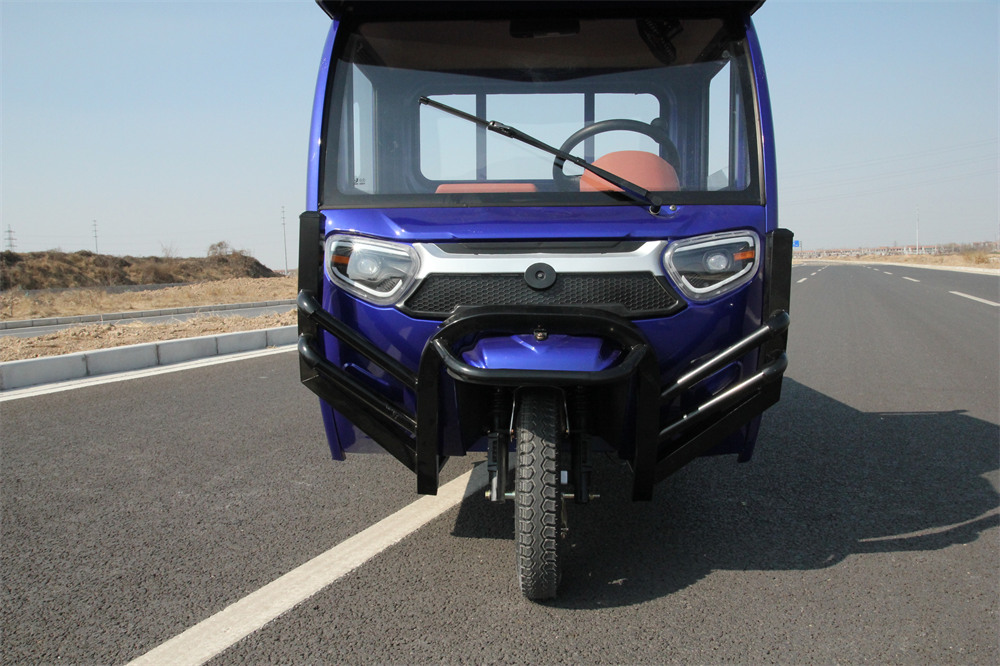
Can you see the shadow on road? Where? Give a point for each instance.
(827, 481)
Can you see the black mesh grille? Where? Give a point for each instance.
(638, 294)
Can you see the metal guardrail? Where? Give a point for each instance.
(135, 314)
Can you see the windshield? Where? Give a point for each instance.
(665, 103)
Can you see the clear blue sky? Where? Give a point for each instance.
(175, 125)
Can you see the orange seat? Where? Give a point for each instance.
(461, 188)
(645, 169)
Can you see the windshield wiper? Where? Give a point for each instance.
(634, 191)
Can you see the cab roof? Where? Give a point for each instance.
(399, 10)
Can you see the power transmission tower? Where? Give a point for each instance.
(96, 251)
(8, 238)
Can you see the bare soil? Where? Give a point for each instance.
(21, 304)
(18, 304)
(54, 269)
(964, 260)
(101, 336)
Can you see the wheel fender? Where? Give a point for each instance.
(542, 352)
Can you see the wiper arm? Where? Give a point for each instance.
(634, 191)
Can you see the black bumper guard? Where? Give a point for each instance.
(658, 451)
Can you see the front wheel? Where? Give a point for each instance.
(537, 518)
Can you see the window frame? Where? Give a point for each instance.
(331, 196)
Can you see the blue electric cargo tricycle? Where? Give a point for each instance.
(542, 230)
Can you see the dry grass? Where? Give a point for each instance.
(981, 258)
(58, 270)
(19, 304)
(57, 284)
(102, 336)
(970, 259)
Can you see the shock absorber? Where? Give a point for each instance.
(498, 446)
(580, 447)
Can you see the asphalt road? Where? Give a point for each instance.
(864, 530)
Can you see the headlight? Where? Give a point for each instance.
(377, 271)
(706, 267)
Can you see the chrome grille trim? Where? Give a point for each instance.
(645, 258)
(630, 282)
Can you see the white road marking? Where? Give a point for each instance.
(813, 274)
(44, 389)
(975, 298)
(911, 279)
(802, 280)
(222, 630)
(887, 272)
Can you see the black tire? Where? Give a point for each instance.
(538, 501)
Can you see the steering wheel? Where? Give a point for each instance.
(565, 182)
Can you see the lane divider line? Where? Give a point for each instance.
(802, 280)
(210, 637)
(910, 279)
(975, 298)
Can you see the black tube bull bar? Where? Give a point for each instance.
(659, 449)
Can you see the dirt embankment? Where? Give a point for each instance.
(101, 336)
(20, 304)
(63, 271)
(54, 269)
(963, 260)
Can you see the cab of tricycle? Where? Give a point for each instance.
(542, 230)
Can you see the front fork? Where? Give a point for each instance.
(498, 444)
(575, 478)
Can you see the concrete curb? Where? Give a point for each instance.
(46, 370)
(135, 314)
